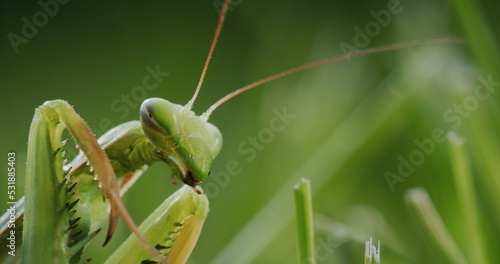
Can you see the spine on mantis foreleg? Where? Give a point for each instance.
(174, 227)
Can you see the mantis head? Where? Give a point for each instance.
(188, 143)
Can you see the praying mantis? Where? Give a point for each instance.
(213, 136)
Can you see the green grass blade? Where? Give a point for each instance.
(420, 203)
(467, 200)
(305, 226)
(482, 45)
(484, 50)
(484, 153)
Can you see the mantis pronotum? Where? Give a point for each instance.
(213, 136)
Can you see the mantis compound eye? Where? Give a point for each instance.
(188, 141)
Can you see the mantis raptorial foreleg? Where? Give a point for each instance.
(45, 175)
(173, 227)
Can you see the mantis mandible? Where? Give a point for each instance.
(167, 132)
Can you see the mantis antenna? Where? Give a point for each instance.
(220, 23)
(397, 46)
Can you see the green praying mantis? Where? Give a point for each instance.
(167, 132)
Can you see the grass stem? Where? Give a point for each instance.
(305, 226)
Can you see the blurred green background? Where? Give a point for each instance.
(352, 120)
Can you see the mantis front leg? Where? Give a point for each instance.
(174, 228)
(49, 219)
